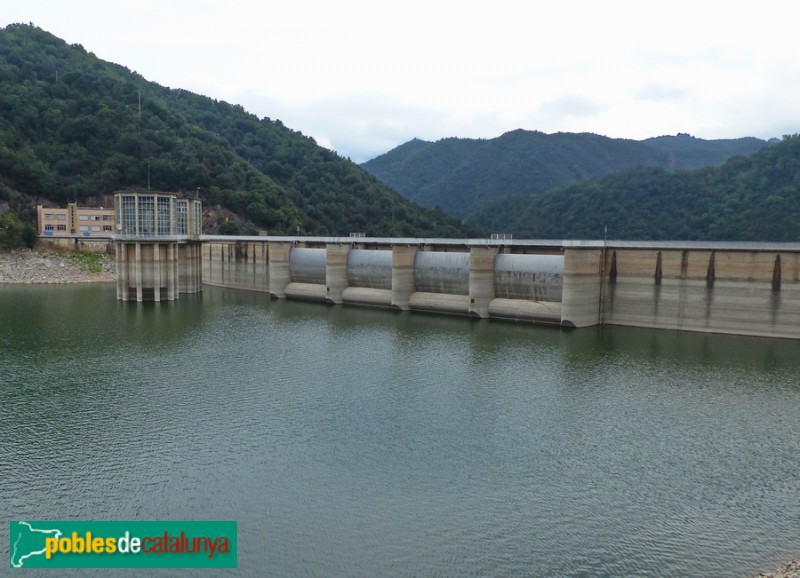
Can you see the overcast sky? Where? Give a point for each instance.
(362, 77)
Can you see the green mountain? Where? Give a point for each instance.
(462, 175)
(73, 127)
(687, 152)
(755, 198)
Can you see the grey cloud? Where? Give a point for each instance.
(659, 92)
(571, 105)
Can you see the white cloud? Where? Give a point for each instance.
(362, 76)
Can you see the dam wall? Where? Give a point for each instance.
(440, 276)
(737, 288)
(720, 289)
(236, 265)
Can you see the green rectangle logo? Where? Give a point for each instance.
(117, 544)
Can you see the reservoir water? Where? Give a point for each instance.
(358, 442)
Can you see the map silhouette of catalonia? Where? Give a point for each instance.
(27, 541)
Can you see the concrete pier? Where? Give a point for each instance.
(582, 297)
(403, 259)
(481, 280)
(278, 269)
(336, 272)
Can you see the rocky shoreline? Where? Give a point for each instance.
(791, 570)
(52, 265)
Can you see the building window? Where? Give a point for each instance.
(62, 227)
(48, 227)
(84, 227)
(61, 217)
(107, 227)
(129, 214)
(147, 215)
(49, 216)
(180, 221)
(164, 206)
(84, 217)
(95, 227)
(106, 217)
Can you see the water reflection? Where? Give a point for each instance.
(355, 441)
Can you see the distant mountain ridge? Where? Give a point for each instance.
(687, 152)
(462, 175)
(747, 198)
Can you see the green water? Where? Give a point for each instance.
(358, 442)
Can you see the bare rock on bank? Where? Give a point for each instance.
(50, 265)
(791, 570)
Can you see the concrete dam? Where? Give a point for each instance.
(441, 277)
(738, 288)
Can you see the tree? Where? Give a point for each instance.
(15, 233)
(228, 228)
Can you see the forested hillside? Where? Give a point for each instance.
(73, 127)
(687, 152)
(755, 198)
(462, 175)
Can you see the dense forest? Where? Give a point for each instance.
(74, 127)
(755, 198)
(462, 175)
